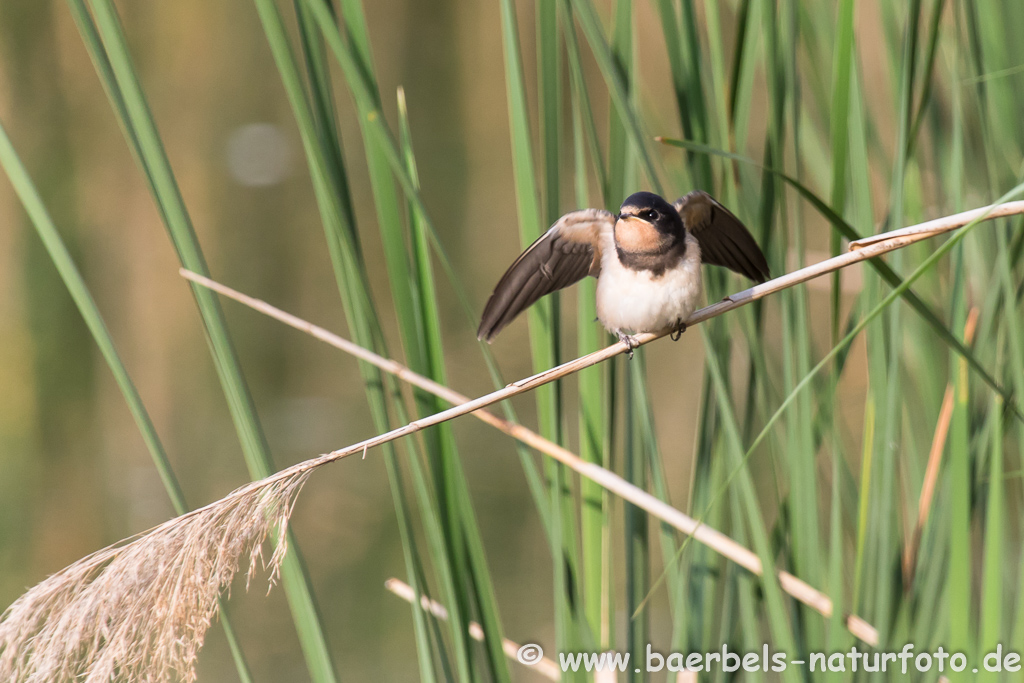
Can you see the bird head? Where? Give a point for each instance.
(647, 223)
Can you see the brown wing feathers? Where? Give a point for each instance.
(565, 254)
(723, 239)
(571, 249)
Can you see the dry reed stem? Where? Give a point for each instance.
(710, 537)
(938, 226)
(139, 610)
(544, 666)
(931, 473)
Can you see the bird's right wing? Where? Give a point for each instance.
(565, 254)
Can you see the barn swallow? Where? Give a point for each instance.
(646, 260)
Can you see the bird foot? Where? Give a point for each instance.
(678, 331)
(629, 341)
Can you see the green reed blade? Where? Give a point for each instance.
(79, 291)
(157, 168)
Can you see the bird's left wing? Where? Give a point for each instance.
(565, 254)
(723, 239)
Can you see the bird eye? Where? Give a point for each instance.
(648, 215)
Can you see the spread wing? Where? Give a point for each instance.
(723, 239)
(565, 254)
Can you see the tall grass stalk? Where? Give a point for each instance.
(116, 68)
(79, 291)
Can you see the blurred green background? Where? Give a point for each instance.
(74, 473)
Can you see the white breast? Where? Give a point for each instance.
(637, 301)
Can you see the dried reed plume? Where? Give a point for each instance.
(139, 610)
